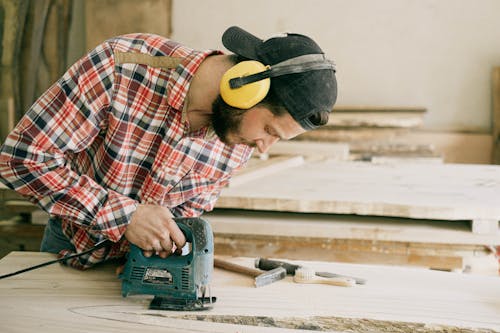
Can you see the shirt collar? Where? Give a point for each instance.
(181, 78)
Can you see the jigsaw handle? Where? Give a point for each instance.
(179, 275)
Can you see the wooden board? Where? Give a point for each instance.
(420, 191)
(259, 167)
(60, 299)
(376, 117)
(440, 245)
(311, 149)
(454, 147)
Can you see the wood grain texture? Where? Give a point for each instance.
(257, 167)
(420, 191)
(374, 119)
(445, 245)
(60, 299)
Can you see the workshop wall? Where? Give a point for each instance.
(436, 54)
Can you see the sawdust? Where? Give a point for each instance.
(328, 324)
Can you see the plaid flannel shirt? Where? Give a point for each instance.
(109, 135)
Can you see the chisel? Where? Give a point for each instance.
(268, 264)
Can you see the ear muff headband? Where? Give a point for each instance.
(248, 84)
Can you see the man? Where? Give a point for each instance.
(125, 139)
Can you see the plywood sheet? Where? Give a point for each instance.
(372, 228)
(59, 299)
(444, 245)
(420, 191)
(376, 117)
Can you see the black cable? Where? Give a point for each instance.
(76, 255)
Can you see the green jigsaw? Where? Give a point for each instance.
(178, 282)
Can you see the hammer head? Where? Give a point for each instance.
(271, 276)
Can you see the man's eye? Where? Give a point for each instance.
(269, 131)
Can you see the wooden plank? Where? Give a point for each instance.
(403, 159)
(394, 299)
(421, 191)
(260, 167)
(418, 110)
(376, 116)
(454, 147)
(351, 134)
(333, 226)
(374, 119)
(357, 251)
(311, 149)
(392, 148)
(357, 239)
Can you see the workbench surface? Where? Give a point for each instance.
(61, 299)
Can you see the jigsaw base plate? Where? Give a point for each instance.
(178, 304)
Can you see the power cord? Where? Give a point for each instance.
(76, 255)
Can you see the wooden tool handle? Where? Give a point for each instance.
(307, 275)
(342, 282)
(236, 268)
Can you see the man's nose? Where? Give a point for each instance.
(263, 145)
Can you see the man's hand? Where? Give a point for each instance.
(153, 229)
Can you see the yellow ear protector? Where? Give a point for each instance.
(248, 82)
(245, 96)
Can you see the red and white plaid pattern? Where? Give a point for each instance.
(108, 136)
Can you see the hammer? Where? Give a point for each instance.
(262, 278)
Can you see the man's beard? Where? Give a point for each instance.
(225, 119)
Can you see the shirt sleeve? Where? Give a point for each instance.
(196, 206)
(210, 191)
(65, 120)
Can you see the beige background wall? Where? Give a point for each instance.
(432, 53)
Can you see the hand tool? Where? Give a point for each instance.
(262, 278)
(267, 264)
(178, 282)
(307, 275)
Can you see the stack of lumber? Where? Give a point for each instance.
(442, 216)
(383, 134)
(375, 132)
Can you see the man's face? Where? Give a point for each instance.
(260, 128)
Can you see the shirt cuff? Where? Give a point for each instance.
(113, 218)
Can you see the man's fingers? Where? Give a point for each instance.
(157, 246)
(164, 254)
(166, 244)
(177, 235)
(120, 269)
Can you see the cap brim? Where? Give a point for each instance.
(241, 42)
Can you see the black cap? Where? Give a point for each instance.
(303, 94)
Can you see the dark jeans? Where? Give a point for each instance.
(53, 238)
